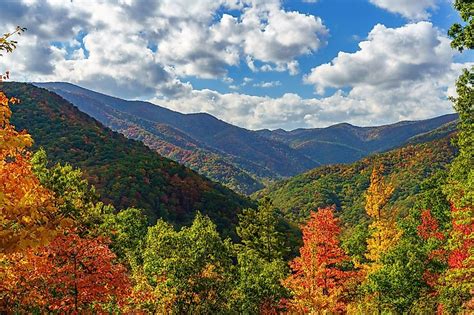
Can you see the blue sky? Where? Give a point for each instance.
(257, 64)
(349, 22)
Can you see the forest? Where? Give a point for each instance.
(92, 222)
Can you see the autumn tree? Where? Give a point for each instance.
(383, 232)
(456, 285)
(320, 281)
(71, 274)
(28, 211)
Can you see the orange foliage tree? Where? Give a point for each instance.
(71, 274)
(319, 283)
(28, 213)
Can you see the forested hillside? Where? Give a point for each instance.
(234, 156)
(345, 143)
(125, 172)
(244, 160)
(409, 169)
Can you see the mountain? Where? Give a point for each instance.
(408, 168)
(235, 156)
(241, 159)
(125, 172)
(345, 143)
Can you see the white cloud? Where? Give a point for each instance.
(411, 9)
(276, 36)
(143, 48)
(397, 74)
(389, 57)
(267, 84)
(146, 49)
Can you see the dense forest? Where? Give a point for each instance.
(243, 160)
(124, 172)
(92, 222)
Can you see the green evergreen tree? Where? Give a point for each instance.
(258, 230)
(261, 265)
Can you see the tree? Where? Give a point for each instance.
(76, 199)
(127, 230)
(8, 45)
(67, 183)
(457, 288)
(460, 185)
(319, 281)
(463, 36)
(28, 211)
(71, 274)
(398, 283)
(258, 287)
(383, 231)
(189, 270)
(260, 263)
(258, 230)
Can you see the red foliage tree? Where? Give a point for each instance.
(429, 227)
(71, 274)
(318, 282)
(461, 238)
(430, 232)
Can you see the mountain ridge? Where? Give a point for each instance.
(244, 160)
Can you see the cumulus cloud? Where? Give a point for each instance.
(389, 57)
(143, 48)
(397, 74)
(411, 9)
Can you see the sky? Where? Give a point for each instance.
(256, 64)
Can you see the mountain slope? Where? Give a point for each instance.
(345, 143)
(344, 185)
(236, 156)
(242, 159)
(125, 172)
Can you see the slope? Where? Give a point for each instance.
(235, 156)
(344, 185)
(125, 172)
(345, 143)
(244, 160)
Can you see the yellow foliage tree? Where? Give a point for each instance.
(384, 234)
(27, 209)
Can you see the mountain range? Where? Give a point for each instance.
(244, 160)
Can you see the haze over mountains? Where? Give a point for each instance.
(242, 159)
